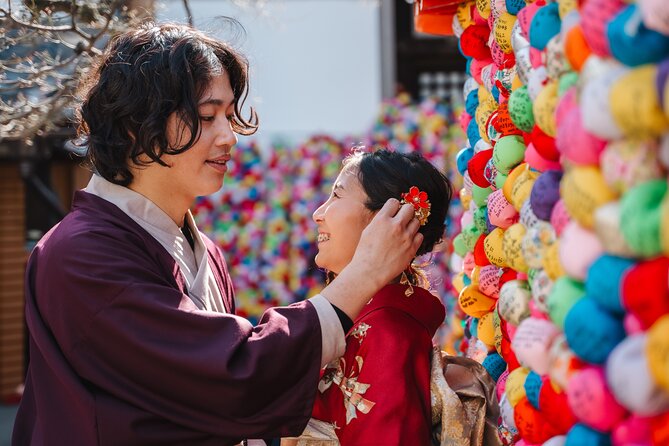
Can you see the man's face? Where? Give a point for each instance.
(199, 170)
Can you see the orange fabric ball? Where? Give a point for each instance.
(576, 48)
(532, 425)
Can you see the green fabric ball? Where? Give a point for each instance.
(480, 219)
(508, 153)
(640, 220)
(470, 234)
(520, 109)
(564, 294)
(459, 245)
(480, 195)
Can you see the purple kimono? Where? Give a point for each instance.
(119, 354)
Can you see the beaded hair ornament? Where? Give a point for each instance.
(420, 203)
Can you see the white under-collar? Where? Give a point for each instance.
(193, 263)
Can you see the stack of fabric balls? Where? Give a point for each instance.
(261, 218)
(562, 262)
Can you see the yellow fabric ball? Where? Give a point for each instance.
(492, 245)
(515, 385)
(657, 352)
(474, 303)
(551, 262)
(512, 247)
(583, 190)
(634, 103)
(544, 108)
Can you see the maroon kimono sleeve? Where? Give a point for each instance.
(158, 368)
(394, 359)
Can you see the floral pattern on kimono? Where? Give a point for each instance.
(378, 393)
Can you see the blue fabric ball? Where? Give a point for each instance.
(468, 67)
(473, 133)
(545, 25)
(495, 365)
(474, 327)
(514, 6)
(471, 102)
(582, 435)
(466, 280)
(532, 386)
(603, 281)
(463, 158)
(592, 332)
(632, 43)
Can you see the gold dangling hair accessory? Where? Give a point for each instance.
(420, 203)
(404, 280)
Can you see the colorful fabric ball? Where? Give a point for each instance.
(564, 294)
(644, 290)
(592, 332)
(603, 282)
(629, 378)
(591, 400)
(520, 109)
(545, 193)
(579, 248)
(635, 105)
(545, 24)
(583, 190)
(532, 343)
(640, 217)
(627, 34)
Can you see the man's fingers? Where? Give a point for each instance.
(406, 214)
(413, 226)
(417, 241)
(390, 208)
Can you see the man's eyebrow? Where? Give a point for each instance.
(211, 101)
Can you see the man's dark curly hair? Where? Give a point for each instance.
(143, 77)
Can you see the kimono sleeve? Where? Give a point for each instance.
(388, 373)
(125, 327)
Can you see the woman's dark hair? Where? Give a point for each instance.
(143, 77)
(385, 174)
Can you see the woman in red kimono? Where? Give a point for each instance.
(378, 393)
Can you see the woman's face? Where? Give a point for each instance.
(341, 220)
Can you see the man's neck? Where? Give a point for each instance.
(173, 205)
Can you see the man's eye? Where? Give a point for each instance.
(334, 194)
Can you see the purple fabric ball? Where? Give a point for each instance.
(545, 193)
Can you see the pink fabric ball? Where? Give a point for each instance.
(591, 400)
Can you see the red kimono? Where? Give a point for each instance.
(378, 393)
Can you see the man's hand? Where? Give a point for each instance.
(386, 247)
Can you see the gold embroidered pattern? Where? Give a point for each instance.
(360, 331)
(349, 386)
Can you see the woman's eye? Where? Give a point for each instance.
(206, 118)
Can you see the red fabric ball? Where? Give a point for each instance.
(503, 123)
(645, 292)
(479, 252)
(544, 144)
(507, 353)
(508, 274)
(660, 429)
(531, 424)
(555, 408)
(474, 42)
(476, 168)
